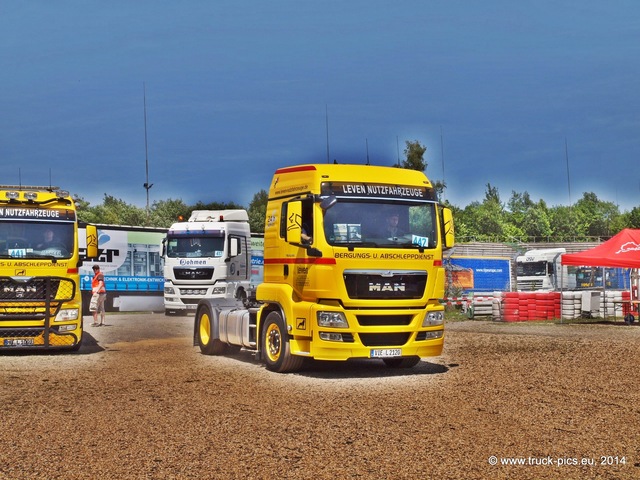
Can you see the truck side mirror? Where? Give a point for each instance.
(328, 202)
(92, 241)
(447, 223)
(294, 222)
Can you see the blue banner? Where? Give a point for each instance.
(117, 283)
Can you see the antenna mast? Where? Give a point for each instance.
(367, 142)
(566, 154)
(326, 114)
(442, 156)
(146, 185)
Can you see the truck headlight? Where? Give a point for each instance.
(67, 314)
(433, 318)
(169, 291)
(219, 290)
(332, 319)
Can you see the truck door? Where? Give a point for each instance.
(237, 259)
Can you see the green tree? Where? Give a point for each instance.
(633, 218)
(465, 223)
(565, 225)
(216, 206)
(518, 206)
(521, 220)
(163, 213)
(526, 220)
(488, 216)
(85, 211)
(258, 211)
(113, 211)
(414, 156)
(601, 218)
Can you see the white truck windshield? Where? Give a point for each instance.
(195, 247)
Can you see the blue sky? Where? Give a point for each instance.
(236, 89)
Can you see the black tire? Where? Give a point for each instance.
(275, 346)
(241, 296)
(401, 362)
(233, 349)
(204, 332)
(77, 346)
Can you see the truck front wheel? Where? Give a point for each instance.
(205, 332)
(275, 346)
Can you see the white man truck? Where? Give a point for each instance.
(40, 300)
(541, 269)
(207, 256)
(336, 284)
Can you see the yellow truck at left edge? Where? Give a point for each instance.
(40, 300)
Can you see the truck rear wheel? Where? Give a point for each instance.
(204, 330)
(401, 362)
(275, 346)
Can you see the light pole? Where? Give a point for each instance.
(146, 185)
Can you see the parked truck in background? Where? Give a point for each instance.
(40, 300)
(207, 256)
(336, 286)
(129, 258)
(541, 269)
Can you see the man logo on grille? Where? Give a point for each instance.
(387, 287)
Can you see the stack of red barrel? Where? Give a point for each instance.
(626, 306)
(523, 306)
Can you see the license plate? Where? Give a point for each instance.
(386, 352)
(18, 342)
(191, 307)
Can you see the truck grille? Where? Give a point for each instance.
(383, 320)
(385, 285)
(33, 298)
(193, 273)
(384, 339)
(527, 285)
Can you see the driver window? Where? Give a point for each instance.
(307, 221)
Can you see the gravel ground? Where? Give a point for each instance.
(138, 401)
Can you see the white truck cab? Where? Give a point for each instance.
(541, 269)
(208, 256)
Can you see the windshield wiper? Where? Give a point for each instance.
(53, 258)
(30, 255)
(353, 245)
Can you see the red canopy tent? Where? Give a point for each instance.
(622, 250)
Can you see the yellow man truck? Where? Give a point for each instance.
(352, 269)
(40, 301)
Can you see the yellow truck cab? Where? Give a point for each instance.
(352, 269)
(40, 300)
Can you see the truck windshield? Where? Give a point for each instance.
(531, 269)
(376, 224)
(36, 239)
(195, 247)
